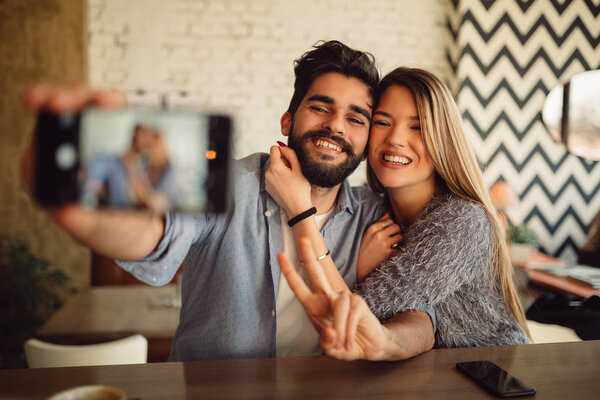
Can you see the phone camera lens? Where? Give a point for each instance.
(66, 156)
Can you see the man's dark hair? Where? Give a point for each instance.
(332, 56)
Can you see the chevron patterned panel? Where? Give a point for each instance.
(507, 56)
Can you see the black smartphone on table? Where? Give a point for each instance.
(134, 158)
(495, 379)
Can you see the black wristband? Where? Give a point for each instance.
(302, 216)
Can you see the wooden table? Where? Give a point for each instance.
(557, 371)
(554, 282)
(105, 313)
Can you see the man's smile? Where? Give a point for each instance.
(327, 145)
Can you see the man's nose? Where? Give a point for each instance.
(335, 124)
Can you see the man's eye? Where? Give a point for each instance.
(318, 109)
(355, 121)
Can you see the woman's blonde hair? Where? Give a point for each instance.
(454, 163)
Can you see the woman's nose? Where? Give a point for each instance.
(397, 137)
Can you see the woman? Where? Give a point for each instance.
(452, 257)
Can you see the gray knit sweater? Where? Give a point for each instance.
(445, 263)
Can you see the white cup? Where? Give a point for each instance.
(90, 392)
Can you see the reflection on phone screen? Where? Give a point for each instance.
(137, 158)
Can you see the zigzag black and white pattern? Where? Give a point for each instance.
(560, 6)
(507, 56)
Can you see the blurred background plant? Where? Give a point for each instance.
(31, 291)
(522, 234)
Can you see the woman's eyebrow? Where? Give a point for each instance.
(382, 113)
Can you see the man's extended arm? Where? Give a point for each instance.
(121, 234)
(126, 235)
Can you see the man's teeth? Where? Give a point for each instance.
(396, 159)
(324, 143)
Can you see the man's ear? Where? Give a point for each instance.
(286, 123)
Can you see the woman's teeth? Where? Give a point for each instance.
(396, 159)
(324, 143)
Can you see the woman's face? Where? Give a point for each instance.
(397, 153)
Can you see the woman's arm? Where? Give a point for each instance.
(286, 184)
(347, 329)
(380, 242)
(449, 247)
(408, 334)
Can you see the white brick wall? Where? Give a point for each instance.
(238, 54)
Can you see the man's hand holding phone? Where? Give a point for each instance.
(59, 100)
(124, 235)
(108, 174)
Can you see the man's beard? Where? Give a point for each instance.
(322, 173)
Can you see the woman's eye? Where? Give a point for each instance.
(381, 123)
(416, 128)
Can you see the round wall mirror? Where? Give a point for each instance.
(572, 114)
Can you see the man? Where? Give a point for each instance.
(235, 304)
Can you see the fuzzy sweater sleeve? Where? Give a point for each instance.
(449, 246)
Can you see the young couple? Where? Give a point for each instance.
(439, 274)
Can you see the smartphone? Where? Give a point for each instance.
(494, 379)
(134, 158)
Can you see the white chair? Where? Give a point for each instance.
(130, 350)
(549, 333)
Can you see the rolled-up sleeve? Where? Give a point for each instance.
(160, 266)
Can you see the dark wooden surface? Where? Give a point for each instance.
(557, 371)
(100, 314)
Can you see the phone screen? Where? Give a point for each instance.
(134, 158)
(493, 378)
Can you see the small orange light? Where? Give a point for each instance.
(211, 154)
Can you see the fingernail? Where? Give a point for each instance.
(281, 144)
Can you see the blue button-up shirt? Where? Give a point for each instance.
(231, 274)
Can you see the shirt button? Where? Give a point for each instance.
(154, 279)
(273, 312)
(268, 213)
(165, 267)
